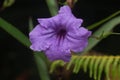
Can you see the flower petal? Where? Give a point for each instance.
(78, 39)
(53, 22)
(77, 45)
(73, 24)
(40, 38)
(79, 33)
(58, 51)
(65, 10)
(67, 19)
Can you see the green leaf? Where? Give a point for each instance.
(114, 67)
(75, 70)
(106, 28)
(107, 67)
(119, 70)
(103, 21)
(91, 65)
(86, 62)
(13, 31)
(96, 65)
(62, 63)
(71, 62)
(52, 5)
(55, 64)
(42, 67)
(30, 24)
(79, 64)
(101, 66)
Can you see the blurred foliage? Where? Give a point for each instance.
(95, 65)
(7, 3)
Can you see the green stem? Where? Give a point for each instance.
(115, 33)
(52, 5)
(103, 21)
(106, 28)
(41, 66)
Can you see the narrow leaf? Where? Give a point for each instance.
(93, 58)
(114, 66)
(75, 70)
(96, 65)
(101, 66)
(53, 66)
(106, 28)
(13, 31)
(86, 62)
(119, 68)
(71, 62)
(107, 67)
(52, 5)
(56, 64)
(30, 24)
(103, 21)
(79, 64)
(42, 68)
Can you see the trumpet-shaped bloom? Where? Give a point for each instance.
(59, 35)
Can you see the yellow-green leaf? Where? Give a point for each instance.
(96, 65)
(101, 66)
(86, 62)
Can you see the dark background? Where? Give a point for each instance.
(17, 60)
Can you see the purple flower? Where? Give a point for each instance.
(59, 35)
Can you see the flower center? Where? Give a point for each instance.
(61, 34)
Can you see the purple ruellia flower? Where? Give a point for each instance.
(59, 35)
